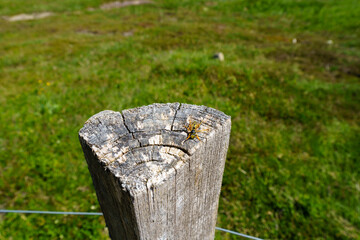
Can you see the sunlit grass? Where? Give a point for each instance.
(292, 170)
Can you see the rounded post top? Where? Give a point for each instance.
(143, 146)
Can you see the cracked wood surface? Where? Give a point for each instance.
(149, 182)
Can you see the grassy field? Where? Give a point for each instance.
(290, 81)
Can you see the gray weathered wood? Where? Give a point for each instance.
(149, 182)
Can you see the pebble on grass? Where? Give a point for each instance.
(219, 56)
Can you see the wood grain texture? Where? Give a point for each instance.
(149, 182)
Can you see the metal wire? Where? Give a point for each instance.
(99, 214)
(49, 212)
(236, 233)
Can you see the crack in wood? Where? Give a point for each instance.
(151, 160)
(132, 133)
(170, 146)
(123, 118)
(176, 110)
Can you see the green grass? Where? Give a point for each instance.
(293, 166)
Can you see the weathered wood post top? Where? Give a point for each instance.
(157, 169)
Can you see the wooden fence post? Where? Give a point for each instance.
(150, 183)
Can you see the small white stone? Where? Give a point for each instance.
(25, 17)
(219, 56)
(127, 34)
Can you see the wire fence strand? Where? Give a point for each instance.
(50, 212)
(236, 233)
(99, 214)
